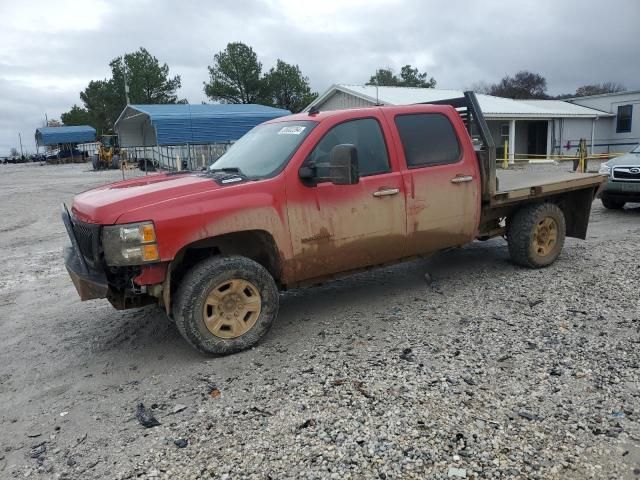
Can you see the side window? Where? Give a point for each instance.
(428, 139)
(365, 135)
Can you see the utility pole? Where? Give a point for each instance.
(21, 152)
(126, 87)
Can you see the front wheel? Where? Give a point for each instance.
(225, 304)
(536, 235)
(612, 204)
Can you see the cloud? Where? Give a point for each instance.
(51, 50)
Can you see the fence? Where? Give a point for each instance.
(177, 157)
(580, 159)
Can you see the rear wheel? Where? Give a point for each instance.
(225, 304)
(612, 204)
(536, 235)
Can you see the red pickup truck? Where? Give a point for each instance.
(303, 199)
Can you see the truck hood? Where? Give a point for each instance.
(105, 204)
(629, 159)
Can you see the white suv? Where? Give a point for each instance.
(624, 180)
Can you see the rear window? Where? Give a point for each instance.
(427, 139)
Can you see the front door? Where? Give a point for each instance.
(441, 178)
(336, 228)
(537, 137)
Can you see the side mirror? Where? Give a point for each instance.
(343, 165)
(306, 173)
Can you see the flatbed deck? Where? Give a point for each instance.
(515, 185)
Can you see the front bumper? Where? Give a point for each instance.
(621, 190)
(90, 282)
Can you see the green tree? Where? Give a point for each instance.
(384, 77)
(76, 116)
(286, 87)
(104, 100)
(235, 75)
(148, 81)
(102, 105)
(409, 77)
(522, 85)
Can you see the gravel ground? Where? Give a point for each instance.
(457, 366)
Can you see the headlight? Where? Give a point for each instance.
(604, 169)
(130, 244)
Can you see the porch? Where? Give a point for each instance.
(524, 139)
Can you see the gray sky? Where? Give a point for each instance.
(50, 50)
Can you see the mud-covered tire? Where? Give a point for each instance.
(522, 235)
(612, 204)
(197, 284)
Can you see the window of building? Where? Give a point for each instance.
(428, 139)
(365, 134)
(624, 118)
(504, 133)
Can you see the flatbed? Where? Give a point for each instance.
(515, 185)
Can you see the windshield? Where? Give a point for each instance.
(265, 150)
(636, 150)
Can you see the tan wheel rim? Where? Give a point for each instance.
(232, 308)
(545, 236)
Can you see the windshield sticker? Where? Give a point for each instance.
(296, 130)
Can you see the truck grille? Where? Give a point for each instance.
(626, 173)
(88, 237)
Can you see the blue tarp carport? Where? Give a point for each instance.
(46, 136)
(182, 124)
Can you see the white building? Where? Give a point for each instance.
(619, 133)
(531, 128)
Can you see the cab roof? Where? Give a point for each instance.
(357, 112)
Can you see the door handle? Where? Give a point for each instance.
(384, 192)
(462, 179)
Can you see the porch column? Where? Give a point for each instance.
(512, 142)
(549, 132)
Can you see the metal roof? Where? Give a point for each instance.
(58, 135)
(181, 124)
(600, 95)
(492, 107)
(564, 108)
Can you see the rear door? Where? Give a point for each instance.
(336, 228)
(441, 178)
